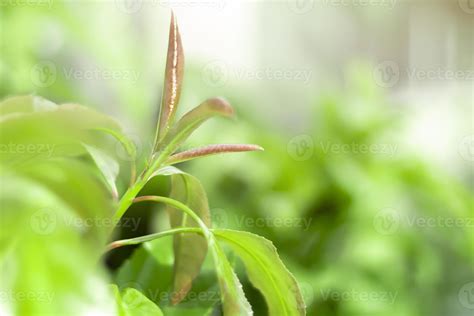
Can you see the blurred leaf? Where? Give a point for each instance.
(76, 184)
(44, 130)
(25, 104)
(108, 166)
(173, 79)
(266, 271)
(46, 265)
(133, 303)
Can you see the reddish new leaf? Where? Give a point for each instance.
(193, 119)
(211, 150)
(173, 80)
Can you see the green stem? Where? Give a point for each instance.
(177, 205)
(132, 192)
(145, 238)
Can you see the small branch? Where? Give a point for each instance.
(178, 205)
(150, 237)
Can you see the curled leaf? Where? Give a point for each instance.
(211, 150)
(173, 80)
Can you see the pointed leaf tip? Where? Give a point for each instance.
(173, 79)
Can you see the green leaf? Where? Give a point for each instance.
(266, 271)
(25, 104)
(173, 80)
(68, 178)
(43, 250)
(193, 119)
(141, 269)
(232, 295)
(210, 150)
(108, 167)
(133, 303)
(190, 251)
(233, 298)
(38, 129)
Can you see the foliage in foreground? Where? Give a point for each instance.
(61, 206)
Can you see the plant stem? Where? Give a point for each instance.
(145, 238)
(134, 189)
(178, 205)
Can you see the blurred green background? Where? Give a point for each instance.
(365, 111)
